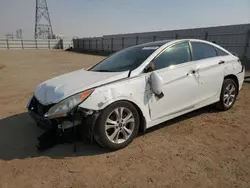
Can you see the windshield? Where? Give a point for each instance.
(124, 60)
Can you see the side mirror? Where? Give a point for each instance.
(156, 83)
(149, 68)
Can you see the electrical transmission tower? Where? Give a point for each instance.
(43, 28)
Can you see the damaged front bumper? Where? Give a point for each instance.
(84, 120)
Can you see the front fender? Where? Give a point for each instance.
(122, 98)
(102, 97)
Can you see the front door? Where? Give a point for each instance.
(180, 82)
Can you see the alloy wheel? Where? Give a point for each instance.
(229, 95)
(119, 125)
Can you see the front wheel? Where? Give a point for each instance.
(117, 125)
(228, 94)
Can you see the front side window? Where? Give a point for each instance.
(202, 51)
(174, 55)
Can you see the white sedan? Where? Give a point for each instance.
(137, 88)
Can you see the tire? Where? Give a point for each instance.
(226, 103)
(109, 124)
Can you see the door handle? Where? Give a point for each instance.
(221, 62)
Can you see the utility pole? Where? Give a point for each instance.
(43, 30)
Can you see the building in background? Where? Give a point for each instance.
(59, 36)
(10, 36)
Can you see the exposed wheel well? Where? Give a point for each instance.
(142, 126)
(233, 77)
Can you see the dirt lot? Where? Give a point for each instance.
(205, 148)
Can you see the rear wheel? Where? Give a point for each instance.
(117, 126)
(228, 94)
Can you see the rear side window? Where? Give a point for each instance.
(202, 51)
(220, 52)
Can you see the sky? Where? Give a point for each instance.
(90, 18)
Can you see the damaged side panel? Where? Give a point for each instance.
(135, 90)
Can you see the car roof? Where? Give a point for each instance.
(163, 42)
(155, 43)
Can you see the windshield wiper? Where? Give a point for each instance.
(103, 71)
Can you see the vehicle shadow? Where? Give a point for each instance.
(18, 139)
(207, 109)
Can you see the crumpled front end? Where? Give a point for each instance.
(79, 121)
(37, 111)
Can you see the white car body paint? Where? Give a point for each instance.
(180, 88)
(186, 87)
(61, 87)
(135, 90)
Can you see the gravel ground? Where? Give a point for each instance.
(205, 148)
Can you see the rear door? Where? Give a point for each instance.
(210, 69)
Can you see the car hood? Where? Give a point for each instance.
(61, 87)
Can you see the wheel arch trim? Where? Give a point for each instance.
(233, 77)
(141, 111)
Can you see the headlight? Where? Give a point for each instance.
(63, 107)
